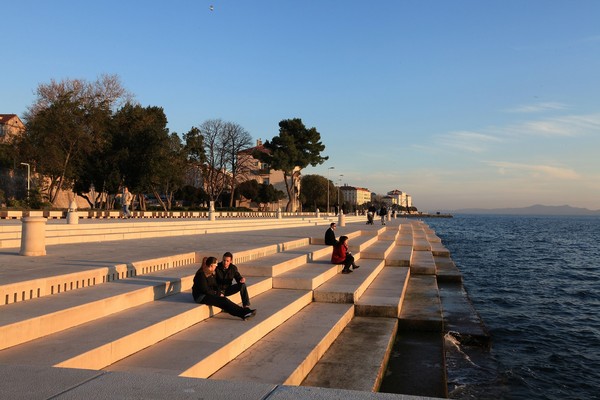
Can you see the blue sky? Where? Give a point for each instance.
(459, 103)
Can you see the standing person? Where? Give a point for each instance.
(383, 213)
(206, 291)
(341, 255)
(226, 272)
(126, 198)
(330, 239)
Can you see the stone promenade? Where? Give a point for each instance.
(115, 319)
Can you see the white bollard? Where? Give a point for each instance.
(72, 216)
(318, 213)
(341, 219)
(279, 215)
(33, 236)
(211, 211)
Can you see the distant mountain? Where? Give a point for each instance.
(537, 209)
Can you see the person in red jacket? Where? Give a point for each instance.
(341, 255)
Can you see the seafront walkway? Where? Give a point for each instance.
(109, 313)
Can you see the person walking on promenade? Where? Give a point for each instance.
(226, 273)
(206, 291)
(371, 211)
(330, 239)
(383, 213)
(126, 198)
(341, 255)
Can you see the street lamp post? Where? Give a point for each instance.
(28, 179)
(339, 186)
(329, 169)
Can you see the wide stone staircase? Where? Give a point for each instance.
(314, 326)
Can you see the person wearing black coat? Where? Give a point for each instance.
(206, 291)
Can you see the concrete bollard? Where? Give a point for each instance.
(388, 216)
(318, 213)
(72, 216)
(33, 236)
(341, 219)
(279, 215)
(211, 211)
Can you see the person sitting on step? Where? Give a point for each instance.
(341, 255)
(226, 273)
(330, 239)
(206, 291)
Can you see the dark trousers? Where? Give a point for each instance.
(239, 287)
(223, 303)
(348, 261)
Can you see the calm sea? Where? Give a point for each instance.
(535, 281)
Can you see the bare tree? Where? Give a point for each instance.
(215, 173)
(236, 139)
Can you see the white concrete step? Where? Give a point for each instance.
(422, 262)
(399, 256)
(279, 263)
(384, 297)
(308, 276)
(347, 288)
(24, 321)
(379, 249)
(338, 366)
(422, 309)
(287, 354)
(99, 343)
(204, 348)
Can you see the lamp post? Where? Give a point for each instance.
(328, 169)
(28, 175)
(339, 186)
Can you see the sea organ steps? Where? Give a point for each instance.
(270, 317)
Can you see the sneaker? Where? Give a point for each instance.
(249, 315)
(356, 266)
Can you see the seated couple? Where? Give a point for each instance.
(213, 282)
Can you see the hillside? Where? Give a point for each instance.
(537, 209)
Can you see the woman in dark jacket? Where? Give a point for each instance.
(206, 291)
(341, 255)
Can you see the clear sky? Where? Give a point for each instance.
(459, 103)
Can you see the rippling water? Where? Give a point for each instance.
(536, 283)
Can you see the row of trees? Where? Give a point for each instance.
(93, 138)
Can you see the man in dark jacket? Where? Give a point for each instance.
(330, 239)
(226, 273)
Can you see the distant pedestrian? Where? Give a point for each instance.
(126, 198)
(383, 213)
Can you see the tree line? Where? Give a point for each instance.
(94, 138)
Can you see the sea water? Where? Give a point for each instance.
(535, 281)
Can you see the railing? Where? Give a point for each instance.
(103, 214)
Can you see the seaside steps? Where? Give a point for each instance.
(204, 348)
(309, 316)
(288, 353)
(338, 366)
(349, 288)
(28, 320)
(421, 309)
(101, 342)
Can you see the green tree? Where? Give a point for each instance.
(144, 150)
(293, 149)
(314, 192)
